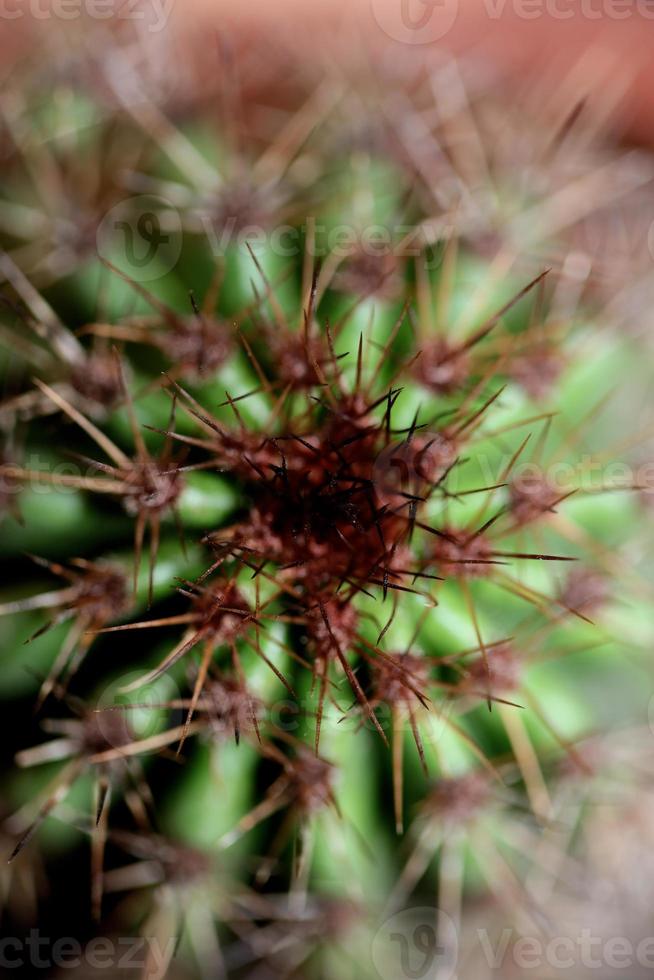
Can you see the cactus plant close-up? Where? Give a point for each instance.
(326, 483)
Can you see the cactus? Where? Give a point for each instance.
(329, 560)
